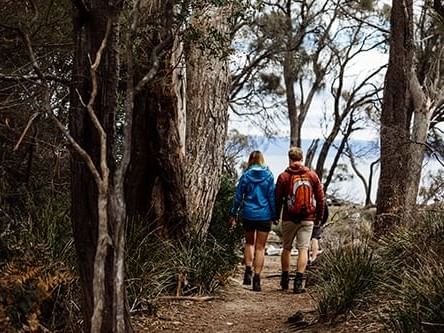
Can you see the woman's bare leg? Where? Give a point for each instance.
(249, 248)
(261, 239)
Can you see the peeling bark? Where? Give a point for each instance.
(180, 127)
(421, 122)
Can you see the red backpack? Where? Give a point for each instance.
(300, 201)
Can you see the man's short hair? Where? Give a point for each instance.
(295, 154)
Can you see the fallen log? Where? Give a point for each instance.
(189, 298)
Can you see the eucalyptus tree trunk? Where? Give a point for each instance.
(96, 24)
(295, 133)
(155, 188)
(323, 153)
(395, 120)
(179, 130)
(426, 90)
(423, 112)
(339, 151)
(154, 183)
(290, 77)
(208, 86)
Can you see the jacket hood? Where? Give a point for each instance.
(297, 168)
(257, 173)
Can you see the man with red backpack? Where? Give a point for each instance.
(300, 194)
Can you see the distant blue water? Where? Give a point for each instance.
(280, 145)
(275, 153)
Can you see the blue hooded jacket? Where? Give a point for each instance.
(255, 191)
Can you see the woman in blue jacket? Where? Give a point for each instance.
(255, 198)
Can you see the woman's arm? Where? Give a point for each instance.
(272, 198)
(238, 197)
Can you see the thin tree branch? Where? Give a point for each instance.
(85, 156)
(18, 78)
(346, 13)
(90, 105)
(47, 110)
(434, 153)
(156, 54)
(28, 125)
(35, 10)
(103, 239)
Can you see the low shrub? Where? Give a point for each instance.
(154, 265)
(37, 283)
(346, 276)
(404, 248)
(29, 297)
(419, 300)
(413, 258)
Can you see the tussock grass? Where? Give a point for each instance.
(413, 258)
(148, 271)
(399, 278)
(346, 276)
(419, 300)
(41, 236)
(154, 264)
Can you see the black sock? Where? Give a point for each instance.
(248, 269)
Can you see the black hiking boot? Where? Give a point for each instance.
(299, 283)
(247, 276)
(285, 279)
(256, 282)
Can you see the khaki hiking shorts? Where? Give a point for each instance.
(299, 230)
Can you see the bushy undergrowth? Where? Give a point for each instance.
(29, 296)
(39, 223)
(206, 264)
(154, 265)
(419, 300)
(36, 242)
(415, 263)
(346, 275)
(36, 266)
(219, 230)
(405, 270)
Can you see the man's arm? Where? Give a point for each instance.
(272, 198)
(279, 195)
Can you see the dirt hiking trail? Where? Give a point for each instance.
(235, 308)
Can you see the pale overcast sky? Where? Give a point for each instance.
(362, 65)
